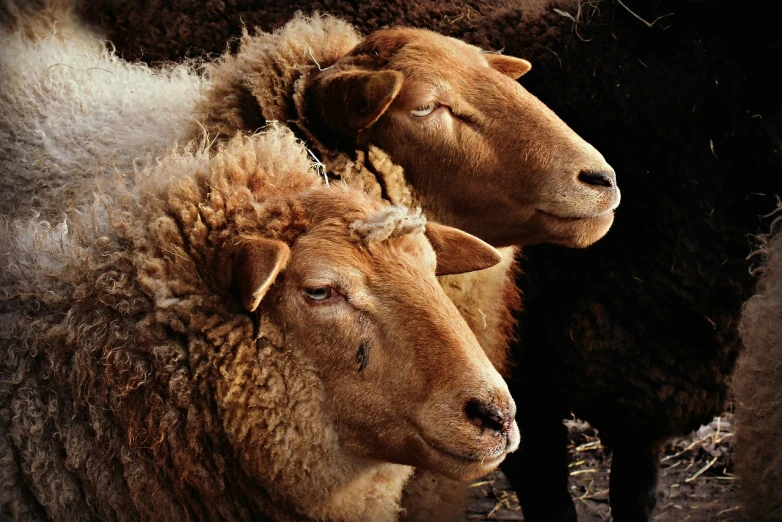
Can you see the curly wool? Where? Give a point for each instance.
(758, 389)
(391, 222)
(72, 112)
(266, 82)
(119, 338)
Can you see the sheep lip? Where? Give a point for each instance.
(467, 459)
(575, 219)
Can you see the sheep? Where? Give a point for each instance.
(55, 71)
(637, 334)
(222, 340)
(758, 389)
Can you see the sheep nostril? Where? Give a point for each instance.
(488, 416)
(597, 178)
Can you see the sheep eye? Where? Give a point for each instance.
(321, 294)
(424, 110)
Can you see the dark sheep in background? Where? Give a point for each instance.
(155, 31)
(638, 333)
(758, 388)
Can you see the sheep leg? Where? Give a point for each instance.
(633, 482)
(538, 471)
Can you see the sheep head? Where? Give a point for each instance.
(356, 298)
(482, 152)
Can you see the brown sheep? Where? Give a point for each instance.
(516, 174)
(229, 340)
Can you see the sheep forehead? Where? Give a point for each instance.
(390, 222)
(429, 53)
(323, 260)
(384, 269)
(452, 76)
(363, 219)
(357, 248)
(419, 52)
(370, 234)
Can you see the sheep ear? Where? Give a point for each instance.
(508, 65)
(459, 252)
(256, 264)
(350, 101)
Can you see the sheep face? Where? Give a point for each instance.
(404, 377)
(482, 152)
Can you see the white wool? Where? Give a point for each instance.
(70, 110)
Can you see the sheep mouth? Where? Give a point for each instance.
(472, 458)
(464, 466)
(576, 219)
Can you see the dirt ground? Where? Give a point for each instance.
(696, 480)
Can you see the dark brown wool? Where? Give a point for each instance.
(758, 387)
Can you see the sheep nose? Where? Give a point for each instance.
(491, 416)
(597, 178)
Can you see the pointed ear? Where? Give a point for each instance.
(508, 65)
(350, 101)
(459, 252)
(256, 264)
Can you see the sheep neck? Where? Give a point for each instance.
(371, 169)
